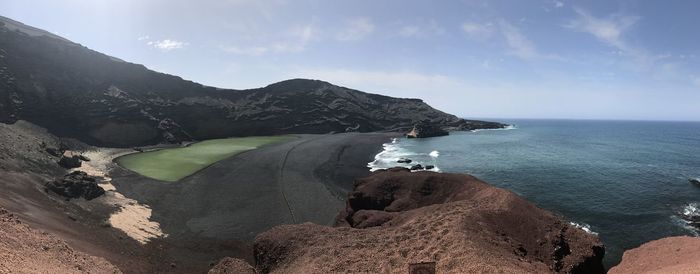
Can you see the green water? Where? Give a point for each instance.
(173, 164)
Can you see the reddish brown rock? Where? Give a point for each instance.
(678, 255)
(395, 218)
(232, 266)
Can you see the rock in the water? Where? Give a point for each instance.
(395, 217)
(404, 161)
(69, 160)
(429, 167)
(426, 129)
(694, 181)
(75, 185)
(417, 167)
(667, 255)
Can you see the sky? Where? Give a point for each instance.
(607, 59)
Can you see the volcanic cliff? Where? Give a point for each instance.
(77, 92)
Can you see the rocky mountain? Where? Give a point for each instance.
(77, 92)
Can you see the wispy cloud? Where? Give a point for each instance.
(478, 30)
(356, 29)
(519, 45)
(143, 38)
(421, 30)
(167, 44)
(293, 41)
(609, 30)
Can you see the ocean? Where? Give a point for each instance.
(627, 181)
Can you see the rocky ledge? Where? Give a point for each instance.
(425, 129)
(395, 218)
(668, 255)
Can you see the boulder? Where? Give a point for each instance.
(429, 167)
(76, 184)
(70, 160)
(395, 218)
(417, 167)
(426, 129)
(694, 181)
(404, 161)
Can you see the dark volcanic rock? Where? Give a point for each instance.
(396, 217)
(404, 161)
(75, 185)
(694, 181)
(417, 167)
(70, 160)
(79, 93)
(426, 129)
(429, 167)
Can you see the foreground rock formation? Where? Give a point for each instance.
(396, 217)
(679, 255)
(25, 250)
(76, 184)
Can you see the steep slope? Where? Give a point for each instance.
(76, 92)
(668, 255)
(26, 250)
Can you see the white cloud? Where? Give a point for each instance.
(421, 30)
(476, 30)
(609, 30)
(558, 4)
(356, 29)
(167, 44)
(293, 41)
(142, 38)
(519, 45)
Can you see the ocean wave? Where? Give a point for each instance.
(394, 151)
(690, 218)
(508, 127)
(584, 227)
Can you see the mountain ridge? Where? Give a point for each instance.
(80, 93)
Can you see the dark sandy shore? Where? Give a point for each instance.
(218, 211)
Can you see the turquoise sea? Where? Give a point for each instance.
(627, 181)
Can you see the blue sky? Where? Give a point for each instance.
(512, 59)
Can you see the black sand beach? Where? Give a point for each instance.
(219, 210)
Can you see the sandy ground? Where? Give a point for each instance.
(132, 217)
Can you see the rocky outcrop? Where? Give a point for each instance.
(26, 250)
(232, 266)
(396, 217)
(677, 255)
(694, 181)
(76, 184)
(70, 160)
(426, 129)
(104, 101)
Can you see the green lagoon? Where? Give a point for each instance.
(173, 164)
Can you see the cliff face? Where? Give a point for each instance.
(668, 255)
(76, 92)
(396, 217)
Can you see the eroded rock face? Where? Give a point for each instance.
(396, 217)
(77, 184)
(426, 129)
(677, 255)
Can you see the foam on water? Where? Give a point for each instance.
(584, 227)
(508, 127)
(688, 214)
(395, 150)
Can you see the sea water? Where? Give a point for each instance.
(626, 181)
